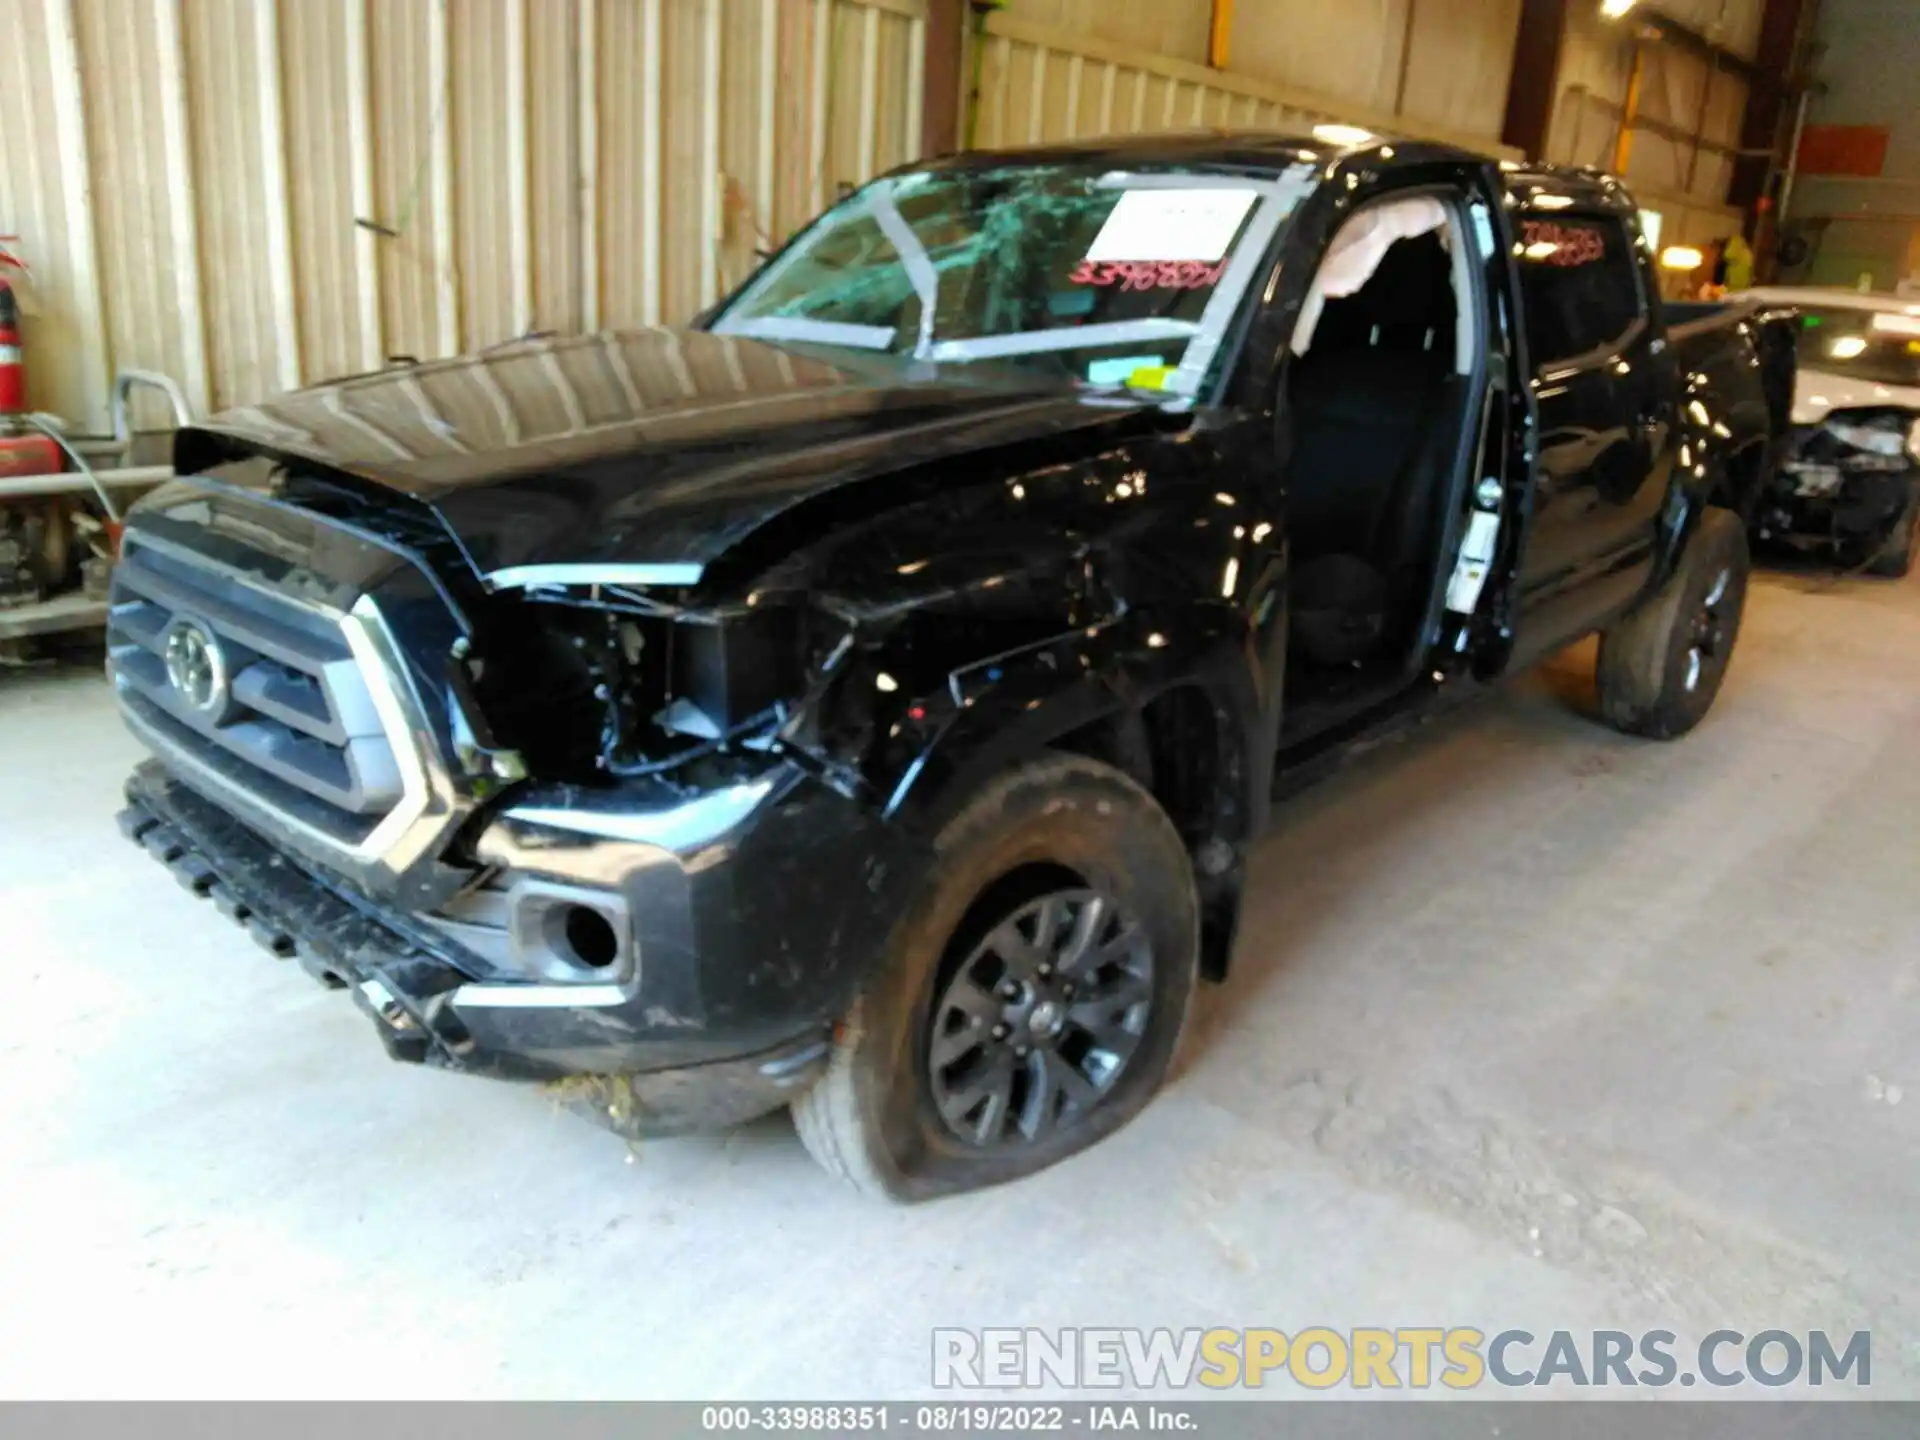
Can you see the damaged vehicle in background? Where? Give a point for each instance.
(1848, 482)
(867, 699)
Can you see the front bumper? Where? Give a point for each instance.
(634, 1066)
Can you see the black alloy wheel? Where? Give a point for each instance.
(1710, 642)
(1661, 664)
(1030, 996)
(1037, 1023)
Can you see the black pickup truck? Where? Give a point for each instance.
(866, 699)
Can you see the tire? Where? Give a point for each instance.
(1895, 557)
(1661, 665)
(1043, 834)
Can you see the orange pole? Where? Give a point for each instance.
(1623, 147)
(1220, 34)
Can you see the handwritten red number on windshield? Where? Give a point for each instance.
(1149, 274)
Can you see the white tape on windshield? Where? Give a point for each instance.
(913, 255)
(1067, 337)
(820, 332)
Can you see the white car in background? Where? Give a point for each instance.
(1849, 477)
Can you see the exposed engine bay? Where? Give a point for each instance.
(610, 683)
(673, 685)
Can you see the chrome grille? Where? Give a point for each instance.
(290, 718)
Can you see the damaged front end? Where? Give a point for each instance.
(585, 755)
(1844, 484)
(844, 665)
(636, 841)
(638, 686)
(722, 777)
(658, 842)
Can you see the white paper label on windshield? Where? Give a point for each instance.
(1155, 224)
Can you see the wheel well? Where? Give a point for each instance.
(1737, 486)
(1183, 739)
(1172, 747)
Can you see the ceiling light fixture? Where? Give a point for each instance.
(1343, 135)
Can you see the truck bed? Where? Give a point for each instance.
(1721, 342)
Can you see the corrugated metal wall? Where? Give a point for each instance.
(1172, 29)
(1440, 63)
(1681, 96)
(1041, 83)
(1427, 63)
(255, 194)
(1864, 225)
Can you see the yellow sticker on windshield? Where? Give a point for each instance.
(1151, 377)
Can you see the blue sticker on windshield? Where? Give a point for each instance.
(1071, 302)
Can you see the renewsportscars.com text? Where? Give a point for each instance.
(1413, 1358)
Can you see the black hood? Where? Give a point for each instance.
(657, 448)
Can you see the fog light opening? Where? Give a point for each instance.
(584, 936)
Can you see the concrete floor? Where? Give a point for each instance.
(1534, 1026)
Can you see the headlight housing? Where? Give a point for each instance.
(1876, 438)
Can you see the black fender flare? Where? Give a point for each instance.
(1708, 470)
(1009, 708)
(1002, 709)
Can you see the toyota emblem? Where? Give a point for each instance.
(196, 667)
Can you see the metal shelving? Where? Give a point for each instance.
(125, 478)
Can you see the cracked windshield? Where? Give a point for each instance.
(1109, 279)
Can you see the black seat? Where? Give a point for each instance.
(1371, 405)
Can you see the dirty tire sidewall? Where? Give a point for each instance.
(1644, 657)
(1895, 558)
(871, 1118)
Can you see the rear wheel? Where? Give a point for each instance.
(1029, 1003)
(1662, 665)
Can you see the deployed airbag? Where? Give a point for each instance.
(1357, 251)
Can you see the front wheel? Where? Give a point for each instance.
(1031, 1000)
(1895, 558)
(1662, 664)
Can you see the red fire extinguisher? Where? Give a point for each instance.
(13, 371)
(23, 449)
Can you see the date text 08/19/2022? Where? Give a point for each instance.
(948, 1418)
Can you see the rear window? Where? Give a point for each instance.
(1581, 284)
